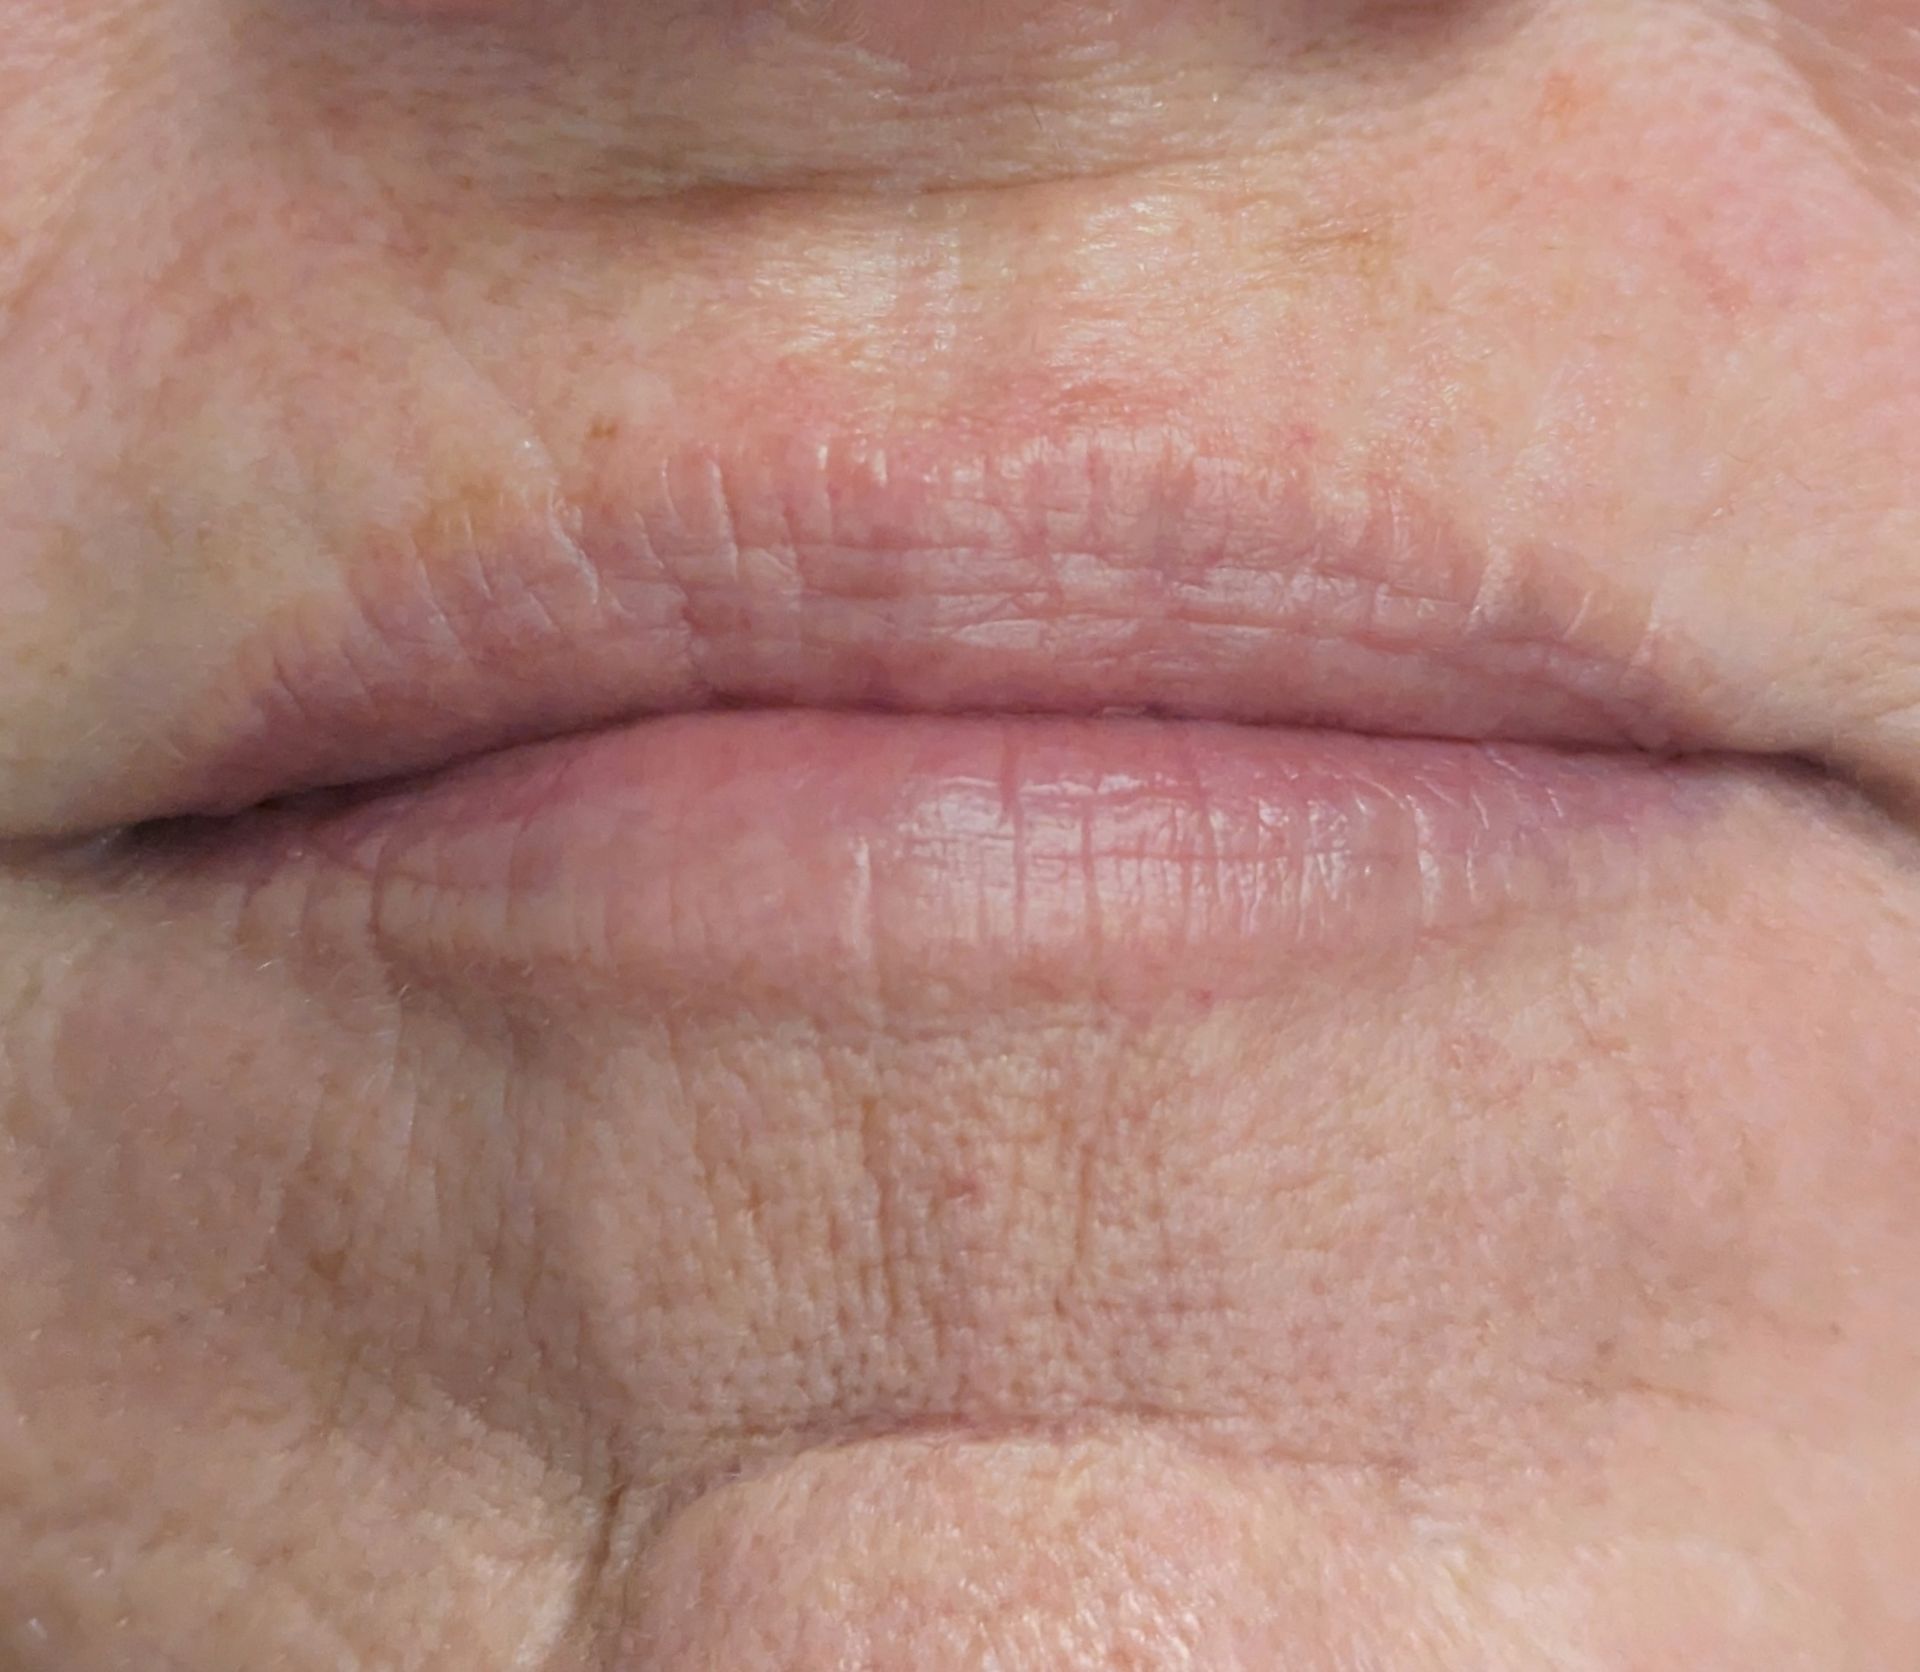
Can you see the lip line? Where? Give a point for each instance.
(728, 858)
(231, 826)
(358, 792)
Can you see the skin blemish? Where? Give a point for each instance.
(1564, 100)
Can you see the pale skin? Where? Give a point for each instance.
(1543, 1296)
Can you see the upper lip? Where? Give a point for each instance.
(939, 571)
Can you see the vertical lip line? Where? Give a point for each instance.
(941, 570)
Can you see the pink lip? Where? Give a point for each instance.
(875, 863)
(930, 570)
(648, 687)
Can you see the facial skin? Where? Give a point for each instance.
(1543, 1292)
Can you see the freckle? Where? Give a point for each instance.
(1562, 99)
(604, 429)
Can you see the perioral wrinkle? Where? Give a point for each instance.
(839, 573)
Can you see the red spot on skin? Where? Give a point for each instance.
(1725, 291)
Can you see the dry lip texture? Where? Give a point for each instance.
(868, 858)
(855, 696)
(940, 571)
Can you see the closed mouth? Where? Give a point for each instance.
(1030, 714)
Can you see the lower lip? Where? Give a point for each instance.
(864, 863)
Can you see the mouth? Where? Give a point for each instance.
(1118, 714)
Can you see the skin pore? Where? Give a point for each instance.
(391, 1281)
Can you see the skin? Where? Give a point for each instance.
(1546, 1294)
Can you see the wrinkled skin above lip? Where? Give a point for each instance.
(383, 1287)
(430, 328)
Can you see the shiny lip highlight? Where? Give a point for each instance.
(936, 570)
(871, 867)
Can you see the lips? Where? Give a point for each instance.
(936, 572)
(1115, 712)
(876, 866)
